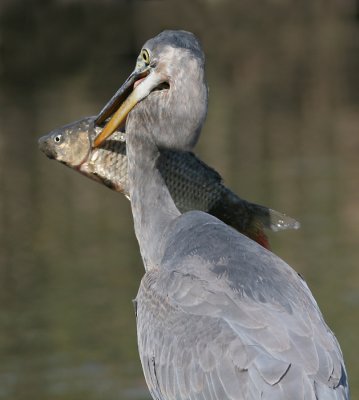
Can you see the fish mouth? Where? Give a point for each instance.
(44, 146)
(142, 81)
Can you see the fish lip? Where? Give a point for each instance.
(45, 148)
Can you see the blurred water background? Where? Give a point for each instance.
(282, 129)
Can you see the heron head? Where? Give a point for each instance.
(166, 90)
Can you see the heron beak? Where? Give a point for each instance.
(124, 100)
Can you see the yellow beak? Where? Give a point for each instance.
(142, 90)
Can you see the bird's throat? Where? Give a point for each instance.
(153, 208)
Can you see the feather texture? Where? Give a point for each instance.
(219, 333)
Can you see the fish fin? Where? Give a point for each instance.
(249, 218)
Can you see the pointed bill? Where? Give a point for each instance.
(139, 92)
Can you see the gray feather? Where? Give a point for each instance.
(228, 343)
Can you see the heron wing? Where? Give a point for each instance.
(198, 344)
(239, 326)
(185, 355)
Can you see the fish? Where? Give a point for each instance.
(192, 183)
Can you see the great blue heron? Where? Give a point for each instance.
(218, 316)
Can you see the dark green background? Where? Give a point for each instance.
(282, 129)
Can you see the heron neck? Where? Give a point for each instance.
(152, 206)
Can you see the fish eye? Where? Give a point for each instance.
(146, 56)
(58, 139)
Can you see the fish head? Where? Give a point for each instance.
(70, 144)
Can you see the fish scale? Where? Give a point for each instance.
(192, 183)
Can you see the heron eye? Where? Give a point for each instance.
(58, 139)
(145, 56)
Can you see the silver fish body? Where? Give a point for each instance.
(192, 184)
